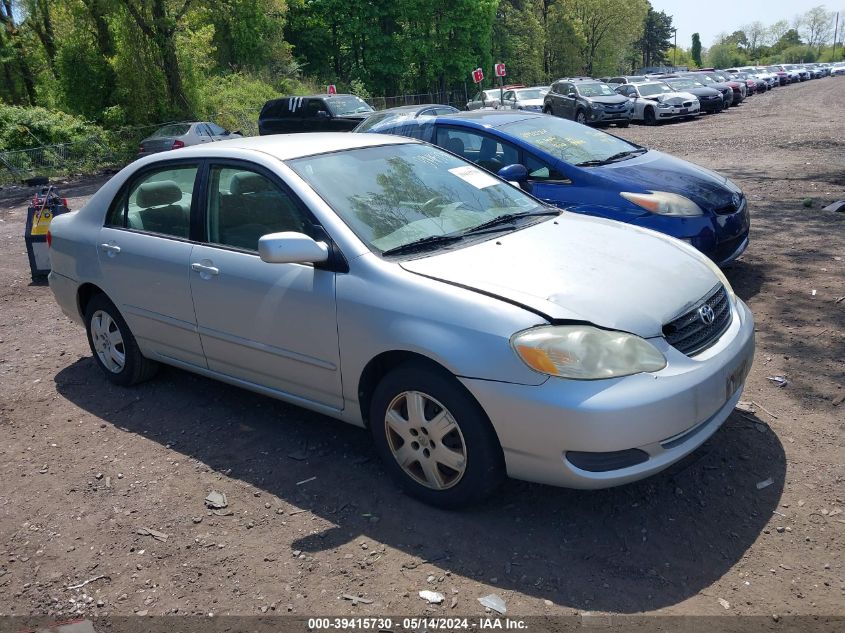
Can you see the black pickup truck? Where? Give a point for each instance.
(316, 113)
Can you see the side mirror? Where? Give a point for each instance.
(513, 173)
(322, 114)
(291, 248)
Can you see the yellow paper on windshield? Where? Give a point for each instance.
(474, 176)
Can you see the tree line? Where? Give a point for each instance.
(119, 62)
(122, 62)
(808, 37)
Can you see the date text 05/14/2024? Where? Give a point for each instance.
(416, 623)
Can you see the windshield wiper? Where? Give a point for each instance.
(508, 218)
(613, 158)
(423, 243)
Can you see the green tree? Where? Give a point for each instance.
(608, 29)
(16, 58)
(695, 51)
(519, 40)
(656, 38)
(725, 56)
(160, 21)
(563, 42)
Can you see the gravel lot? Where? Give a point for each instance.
(86, 466)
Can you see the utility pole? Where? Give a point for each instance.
(835, 33)
(675, 50)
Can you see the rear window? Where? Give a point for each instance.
(277, 108)
(177, 129)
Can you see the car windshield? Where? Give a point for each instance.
(342, 106)
(530, 93)
(595, 90)
(567, 140)
(647, 90)
(684, 84)
(706, 80)
(177, 129)
(394, 195)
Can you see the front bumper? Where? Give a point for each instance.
(678, 111)
(712, 105)
(602, 116)
(667, 415)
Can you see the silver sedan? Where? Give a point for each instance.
(179, 135)
(389, 284)
(655, 101)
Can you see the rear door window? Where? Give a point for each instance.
(158, 201)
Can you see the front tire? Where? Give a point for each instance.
(650, 117)
(434, 438)
(114, 348)
(580, 117)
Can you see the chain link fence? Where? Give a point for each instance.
(112, 149)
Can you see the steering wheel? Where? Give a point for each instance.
(429, 205)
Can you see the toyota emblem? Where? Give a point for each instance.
(706, 315)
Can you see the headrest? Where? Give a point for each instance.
(248, 182)
(155, 194)
(456, 146)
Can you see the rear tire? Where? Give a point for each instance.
(433, 437)
(114, 348)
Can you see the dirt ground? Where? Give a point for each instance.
(86, 466)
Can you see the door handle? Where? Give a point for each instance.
(202, 268)
(111, 249)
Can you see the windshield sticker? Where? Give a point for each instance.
(474, 176)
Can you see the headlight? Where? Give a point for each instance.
(584, 352)
(664, 203)
(664, 104)
(596, 106)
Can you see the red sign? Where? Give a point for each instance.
(500, 70)
(332, 90)
(478, 75)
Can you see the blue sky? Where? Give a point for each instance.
(711, 17)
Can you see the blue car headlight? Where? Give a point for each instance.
(664, 203)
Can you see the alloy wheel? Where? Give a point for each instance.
(425, 440)
(108, 342)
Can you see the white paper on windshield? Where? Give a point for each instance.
(474, 176)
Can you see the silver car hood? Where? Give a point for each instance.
(582, 268)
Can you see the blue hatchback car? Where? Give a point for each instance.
(589, 171)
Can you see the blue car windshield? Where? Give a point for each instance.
(393, 195)
(569, 141)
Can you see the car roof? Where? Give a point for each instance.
(414, 108)
(488, 118)
(289, 146)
